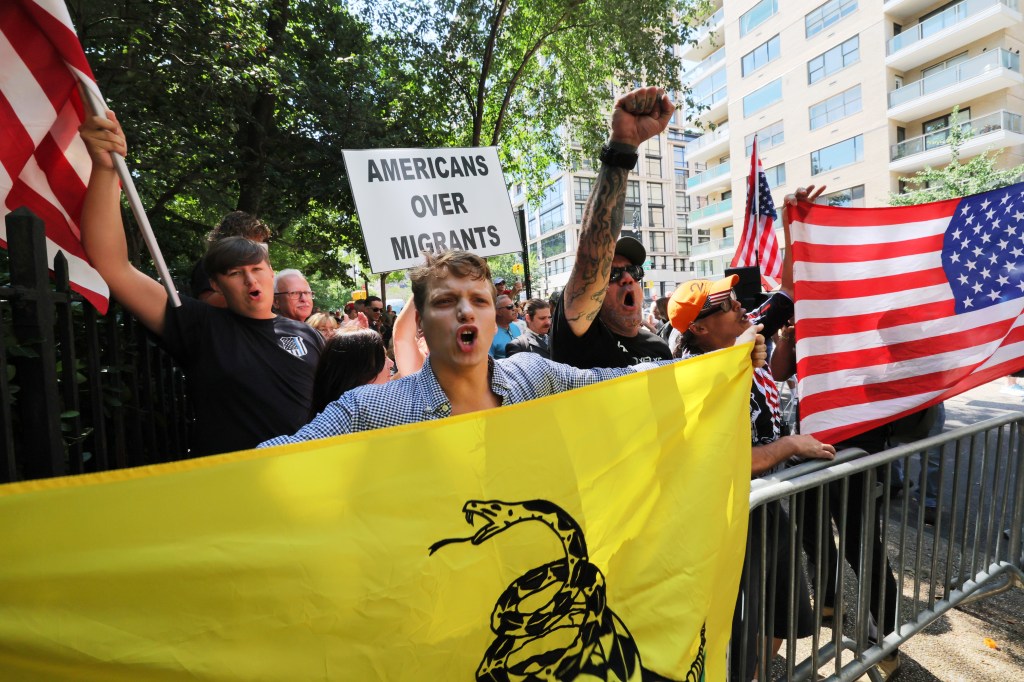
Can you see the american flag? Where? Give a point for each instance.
(758, 245)
(901, 308)
(43, 163)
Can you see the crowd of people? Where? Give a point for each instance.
(265, 368)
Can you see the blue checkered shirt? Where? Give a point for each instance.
(419, 397)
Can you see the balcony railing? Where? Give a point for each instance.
(710, 210)
(712, 246)
(709, 137)
(704, 67)
(709, 24)
(948, 17)
(711, 99)
(958, 73)
(710, 174)
(1000, 120)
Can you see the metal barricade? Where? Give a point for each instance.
(903, 568)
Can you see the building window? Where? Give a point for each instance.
(632, 201)
(684, 244)
(839, 106)
(830, 61)
(553, 245)
(852, 197)
(658, 241)
(656, 215)
(679, 157)
(762, 97)
(579, 212)
(767, 138)
(776, 175)
(709, 90)
(655, 193)
(760, 55)
(757, 15)
(936, 131)
(823, 16)
(837, 155)
(652, 166)
(552, 219)
(581, 188)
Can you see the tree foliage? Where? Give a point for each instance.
(957, 179)
(245, 104)
(532, 76)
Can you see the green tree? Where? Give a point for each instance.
(510, 267)
(246, 104)
(957, 179)
(532, 75)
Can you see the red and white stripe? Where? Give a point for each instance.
(877, 333)
(44, 165)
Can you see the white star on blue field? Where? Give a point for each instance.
(983, 249)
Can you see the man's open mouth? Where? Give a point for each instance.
(467, 337)
(627, 300)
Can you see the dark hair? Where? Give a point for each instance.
(457, 263)
(348, 360)
(371, 299)
(661, 305)
(535, 304)
(232, 252)
(239, 224)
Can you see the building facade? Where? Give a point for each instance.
(852, 94)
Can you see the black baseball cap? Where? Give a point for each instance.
(631, 249)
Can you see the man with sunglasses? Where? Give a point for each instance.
(597, 317)
(504, 316)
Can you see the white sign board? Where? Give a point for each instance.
(416, 200)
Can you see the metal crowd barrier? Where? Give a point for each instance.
(902, 572)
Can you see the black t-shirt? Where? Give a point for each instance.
(599, 347)
(249, 380)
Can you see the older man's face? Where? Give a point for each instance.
(506, 311)
(294, 298)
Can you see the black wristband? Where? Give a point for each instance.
(618, 158)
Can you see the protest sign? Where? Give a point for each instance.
(416, 200)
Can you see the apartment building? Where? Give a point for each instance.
(852, 94)
(657, 205)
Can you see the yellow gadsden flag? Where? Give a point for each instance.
(589, 535)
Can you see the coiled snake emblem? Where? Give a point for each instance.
(553, 622)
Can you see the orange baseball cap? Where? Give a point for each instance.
(688, 299)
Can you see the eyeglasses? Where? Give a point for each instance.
(376, 310)
(720, 305)
(507, 307)
(635, 271)
(296, 294)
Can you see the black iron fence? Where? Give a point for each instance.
(80, 392)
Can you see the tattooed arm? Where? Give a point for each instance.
(638, 116)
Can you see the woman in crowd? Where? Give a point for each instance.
(349, 360)
(323, 323)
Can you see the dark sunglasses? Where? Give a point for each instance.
(377, 310)
(721, 306)
(635, 271)
(507, 307)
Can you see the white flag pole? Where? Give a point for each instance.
(99, 108)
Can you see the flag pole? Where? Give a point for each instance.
(753, 186)
(99, 107)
